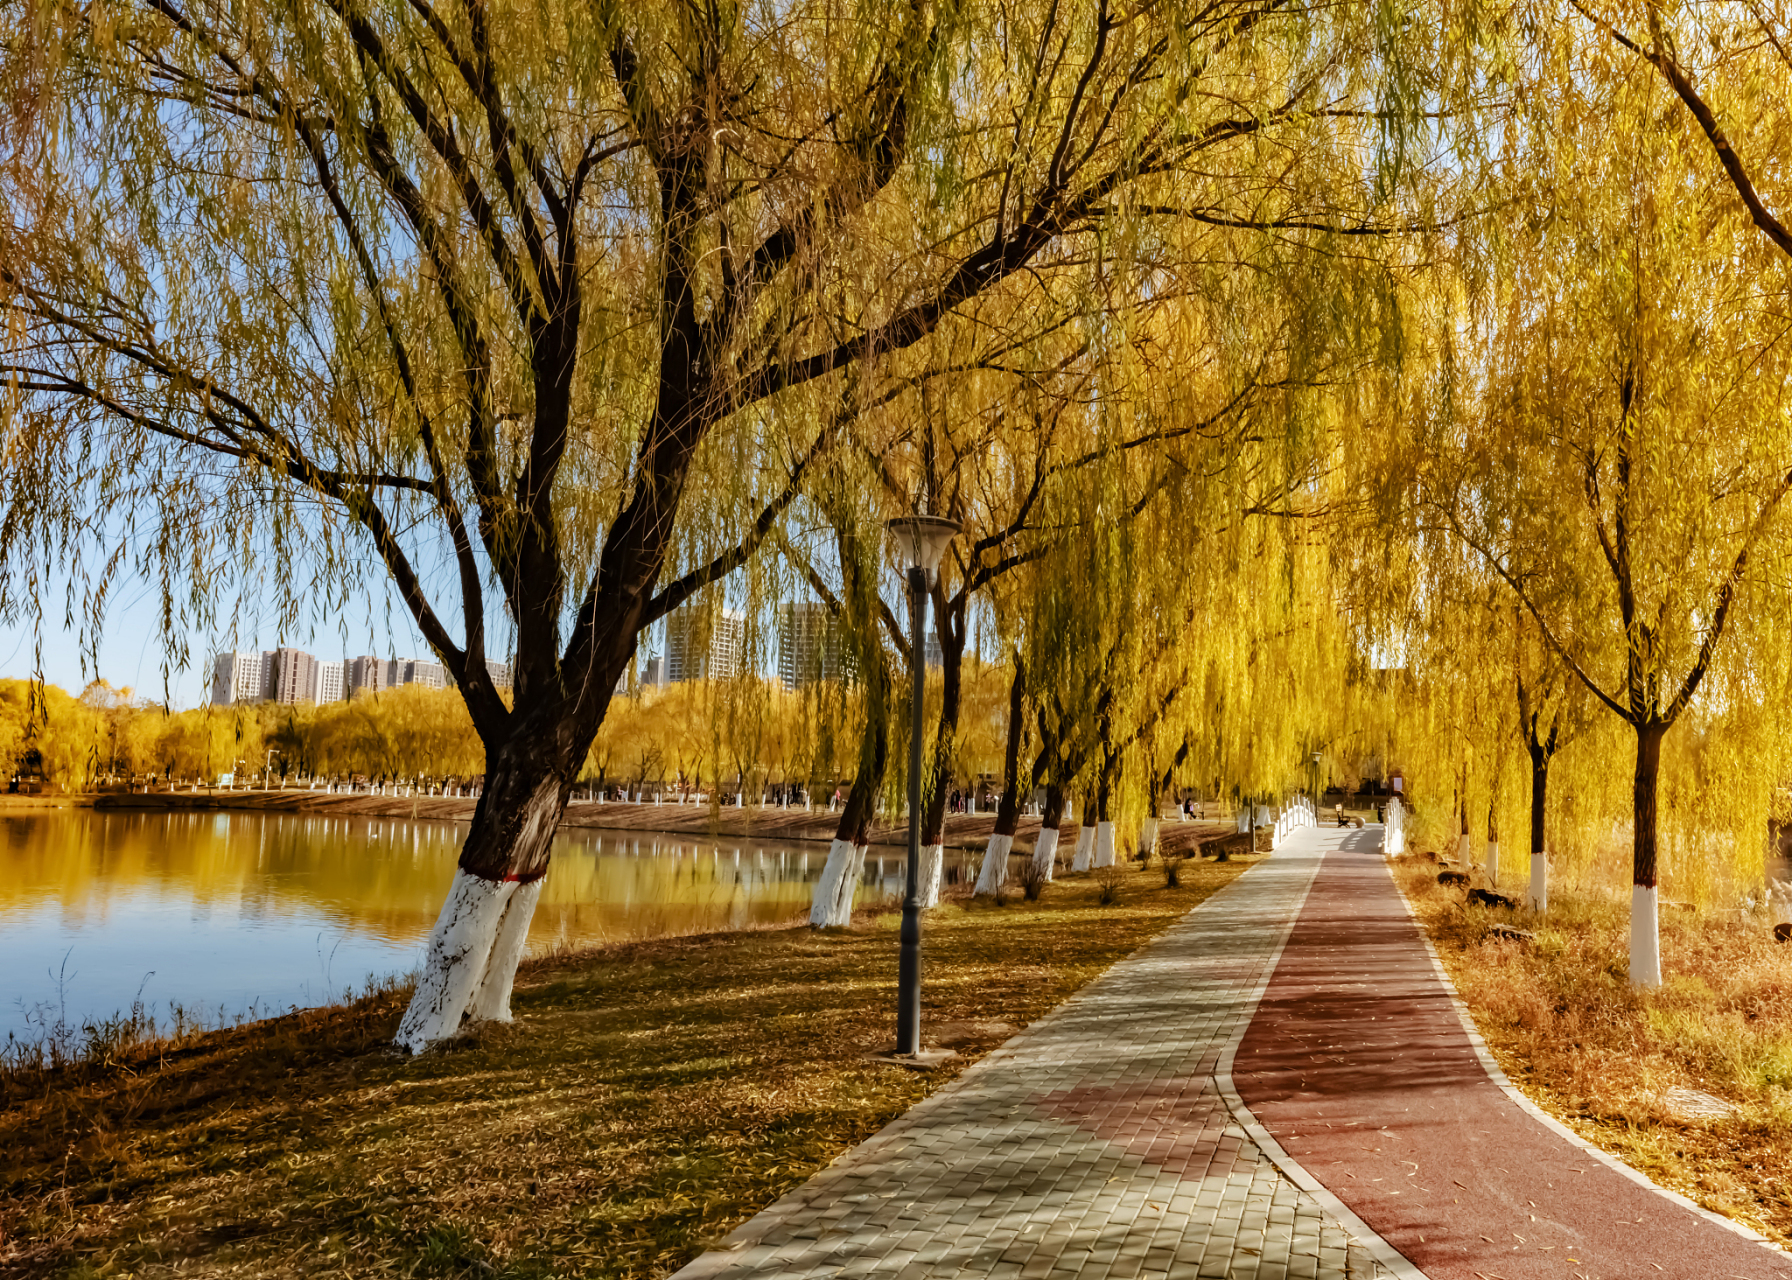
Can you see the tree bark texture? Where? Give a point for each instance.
(1648, 774)
(1008, 811)
(950, 625)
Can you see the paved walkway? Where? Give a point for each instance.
(1097, 1143)
(1359, 1065)
(1106, 1140)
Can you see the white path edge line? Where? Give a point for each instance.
(1542, 1117)
(1384, 1253)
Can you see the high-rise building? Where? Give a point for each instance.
(366, 675)
(810, 645)
(292, 676)
(935, 655)
(431, 675)
(654, 673)
(704, 644)
(239, 677)
(499, 672)
(332, 682)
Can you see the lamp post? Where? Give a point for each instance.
(921, 541)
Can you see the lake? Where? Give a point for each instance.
(228, 915)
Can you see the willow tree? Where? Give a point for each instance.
(1626, 475)
(475, 296)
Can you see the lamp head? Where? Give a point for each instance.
(922, 540)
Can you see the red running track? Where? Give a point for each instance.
(1357, 1063)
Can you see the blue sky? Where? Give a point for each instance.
(131, 649)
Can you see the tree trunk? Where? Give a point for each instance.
(1539, 889)
(1645, 934)
(1493, 849)
(1104, 817)
(830, 904)
(1539, 794)
(1084, 857)
(994, 872)
(470, 961)
(1045, 850)
(949, 623)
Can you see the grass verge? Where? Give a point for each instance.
(1567, 1028)
(648, 1098)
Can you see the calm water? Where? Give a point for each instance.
(234, 914)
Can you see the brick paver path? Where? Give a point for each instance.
(1094, 1144)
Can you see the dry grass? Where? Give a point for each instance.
(1566, 1026)
(648, 1099)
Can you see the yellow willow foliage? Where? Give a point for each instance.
(404, 732)
(1184, 624)
(748, 732)
(1591, 486)
(410, 270)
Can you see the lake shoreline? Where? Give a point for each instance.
(962, 831)
(649, 1097)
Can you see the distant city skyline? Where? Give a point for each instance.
(130, 649)
(292, 675)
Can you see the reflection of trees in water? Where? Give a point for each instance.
(386, 876)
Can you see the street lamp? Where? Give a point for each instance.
(920, 541)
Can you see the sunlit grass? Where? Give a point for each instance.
(1564, 1023)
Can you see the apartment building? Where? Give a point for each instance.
(292, 675)
(239, 677)
(704, 644)
(811, 646)
(332, 682)
(366, 675)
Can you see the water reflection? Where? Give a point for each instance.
(252, 913)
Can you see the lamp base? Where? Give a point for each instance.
(926, 1060)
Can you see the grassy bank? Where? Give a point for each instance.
(1564, 1023)
(649, 1098)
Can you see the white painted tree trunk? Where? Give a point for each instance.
(994, 873)
(1104, 844)
(1085, 848)
(1539, 883)
(1045, 852)
(491, 1002)
(1645, 936)
(1493, 864)
(849, 886)
(459, 952)
(933, 874)
(1147, 837)
(1393, 839)
(1465, 854)
(824, 904)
